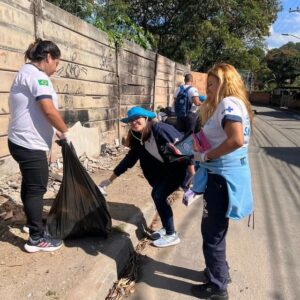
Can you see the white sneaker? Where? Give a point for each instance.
(156, 235)
(189, 197)
(167, 240)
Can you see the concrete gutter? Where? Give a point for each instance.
(104, 273)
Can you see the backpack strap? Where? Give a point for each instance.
(190, 101)
(187, 89)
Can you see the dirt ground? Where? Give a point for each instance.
(52, 275)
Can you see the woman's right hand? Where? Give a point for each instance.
(200, 156)
(105, 183)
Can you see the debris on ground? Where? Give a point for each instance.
(126, 285)
(10, 186)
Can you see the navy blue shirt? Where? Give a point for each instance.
(153, 169)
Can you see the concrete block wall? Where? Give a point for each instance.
(95, 82)
(200, 80)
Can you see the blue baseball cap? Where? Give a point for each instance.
(138, 112)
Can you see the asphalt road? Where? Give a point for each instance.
(264, 262)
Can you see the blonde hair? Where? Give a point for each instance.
(231, 84)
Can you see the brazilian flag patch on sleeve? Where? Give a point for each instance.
(43, 82)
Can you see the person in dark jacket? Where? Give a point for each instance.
(145, 139)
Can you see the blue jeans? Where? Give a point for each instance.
(34, 169)
(214, 228)
(160, 192)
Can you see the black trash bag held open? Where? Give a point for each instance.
(79, 208)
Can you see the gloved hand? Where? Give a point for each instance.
(103, 185)
(65, 136)
(200, 156)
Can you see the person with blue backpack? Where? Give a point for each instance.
(146, 139)
(186, 101)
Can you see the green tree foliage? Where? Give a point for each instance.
(111, 17)
(80, 8)
(205, 32)
(197, 32)
(284, 62)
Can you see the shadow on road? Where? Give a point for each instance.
(164, 276)
(290, 155)
(280, 114)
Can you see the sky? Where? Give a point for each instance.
(287, 22)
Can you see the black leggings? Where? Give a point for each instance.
(34, 169)
(163, 188)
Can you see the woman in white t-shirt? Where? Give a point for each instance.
(33, 120)
(224, 174)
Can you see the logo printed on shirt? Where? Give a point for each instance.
(229, 109)
(43, 82)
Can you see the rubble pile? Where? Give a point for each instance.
(107, 160)
(10, 188)
(109, 157)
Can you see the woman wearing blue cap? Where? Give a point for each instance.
(145, 138)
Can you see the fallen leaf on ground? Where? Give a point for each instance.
(8, 215)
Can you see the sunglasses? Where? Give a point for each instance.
(132, 120)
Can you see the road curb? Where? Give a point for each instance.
(104, 273)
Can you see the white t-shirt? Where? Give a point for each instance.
(28, 126)
(192, 92)
(230, 108)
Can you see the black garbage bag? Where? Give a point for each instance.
(79, 208)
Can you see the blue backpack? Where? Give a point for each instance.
(182, 103)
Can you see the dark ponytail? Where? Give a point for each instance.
(38, 50)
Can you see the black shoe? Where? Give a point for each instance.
(209, 291)
(205, 272)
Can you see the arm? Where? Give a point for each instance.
(127, 162)
(112, 177)
(196, 101)
(235, 140)
(194, 94)
(52, 114)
